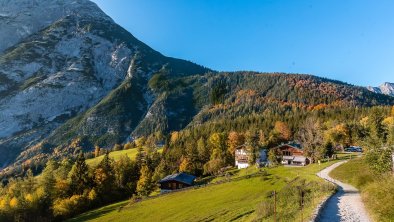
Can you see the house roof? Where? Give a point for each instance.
(293, 145)
(240, 146)
(180, 177)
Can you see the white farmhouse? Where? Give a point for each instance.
(242, 157)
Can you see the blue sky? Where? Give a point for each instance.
(348, 40)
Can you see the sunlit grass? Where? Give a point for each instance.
(131, 153)
(235, 200)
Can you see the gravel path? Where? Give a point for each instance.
(345, 205)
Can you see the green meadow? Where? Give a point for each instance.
(240, 199)
(131, 153)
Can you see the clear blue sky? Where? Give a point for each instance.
(348, 40)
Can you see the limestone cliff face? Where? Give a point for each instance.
(61, 58)
(21, 18)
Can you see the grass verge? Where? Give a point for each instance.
(377, 191)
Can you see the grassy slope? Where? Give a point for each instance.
(115, 155)
(377, 191)
(236, 200)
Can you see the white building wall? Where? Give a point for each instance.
(241, 165)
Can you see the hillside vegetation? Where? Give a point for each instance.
(220, 101)
(203, 150)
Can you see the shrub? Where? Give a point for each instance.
(69, 206)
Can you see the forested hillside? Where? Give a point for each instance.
(176, 102)
(68, 187)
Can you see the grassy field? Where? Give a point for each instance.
(377, 191)
(115, 155)
(236, 200)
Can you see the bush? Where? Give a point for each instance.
(69, 206)
(117, 147)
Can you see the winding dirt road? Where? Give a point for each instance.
(346, 205)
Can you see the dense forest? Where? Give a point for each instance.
(68, 187)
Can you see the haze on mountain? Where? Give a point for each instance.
(68, 71)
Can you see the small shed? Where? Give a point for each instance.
(176, 181)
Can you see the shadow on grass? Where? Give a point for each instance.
(242, 215)
(98, 212)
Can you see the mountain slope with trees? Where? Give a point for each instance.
(78, 61)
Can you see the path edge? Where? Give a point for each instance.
(316, 214)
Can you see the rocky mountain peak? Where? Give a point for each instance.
(386, 88)
(22, 18)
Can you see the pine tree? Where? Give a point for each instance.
(104, 177)
(47, 178)
(203, 150)
(145, 185)
(126, 174)
(140, 157)
(79, 176)
(252, 146)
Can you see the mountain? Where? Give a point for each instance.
(22, 18)
(76, 79)
(386, 88)
(76, 62)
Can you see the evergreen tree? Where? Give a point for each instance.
(140, 157)
(126, 174)
(145, 185)
(104, 177)
(79, 176)
(203, 150)
(252, 146)
(47, 178)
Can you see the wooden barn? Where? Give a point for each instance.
(176, 181)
